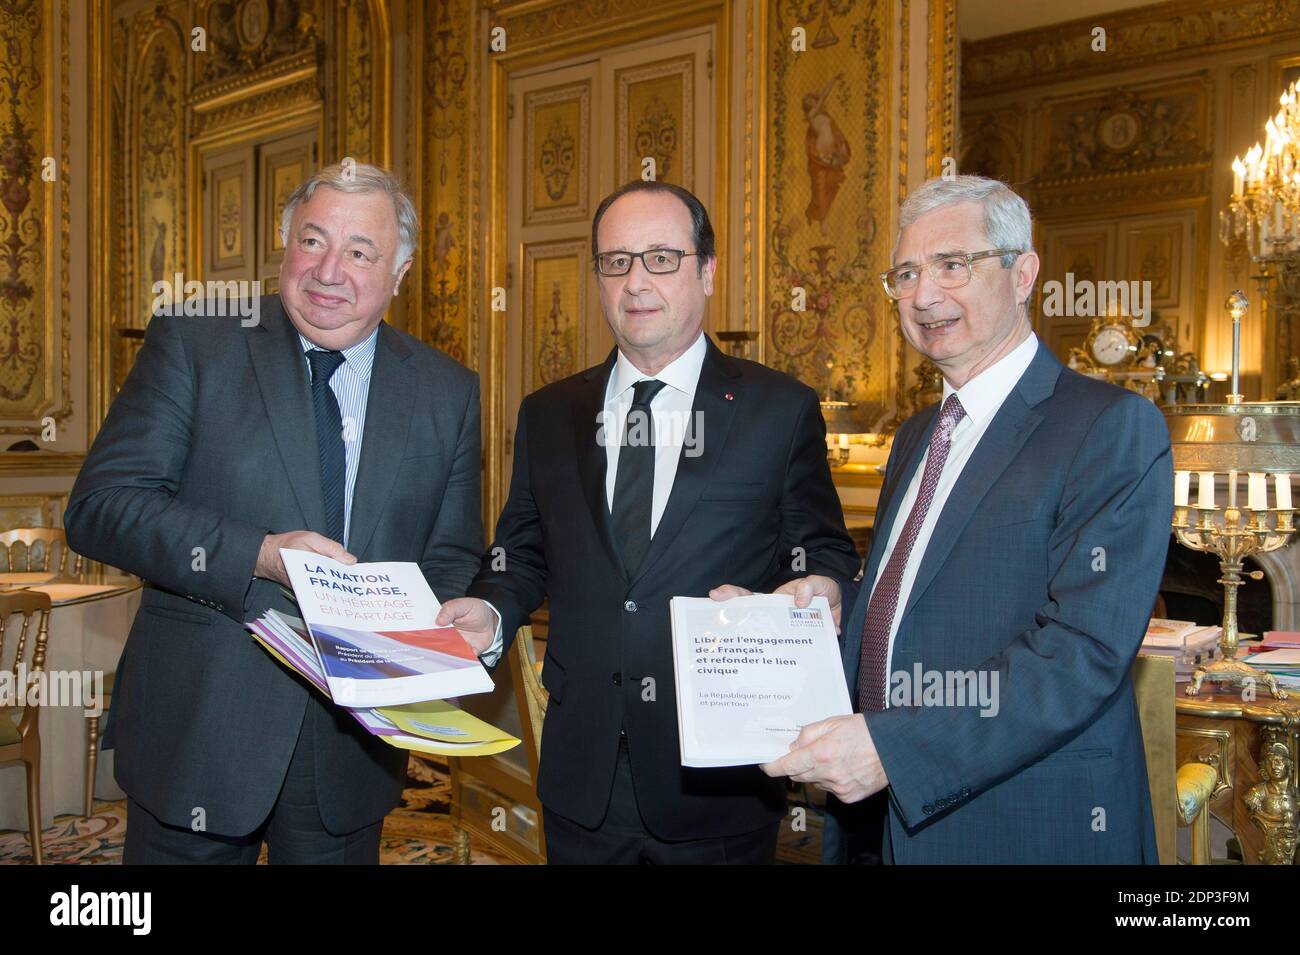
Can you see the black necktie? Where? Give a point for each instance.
(635, 482)
(329, 438)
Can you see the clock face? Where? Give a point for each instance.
(1110, 346)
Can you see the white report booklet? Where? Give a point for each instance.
(750, 673)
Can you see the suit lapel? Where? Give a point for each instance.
(592, 462)
(1001, 442)
(281, 371)
(719, 376)
(383, 441)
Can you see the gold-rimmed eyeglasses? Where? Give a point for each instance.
(948, 271)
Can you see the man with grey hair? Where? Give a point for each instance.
(1019, 541)
(321, 428)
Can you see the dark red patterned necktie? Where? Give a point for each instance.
(884, 599)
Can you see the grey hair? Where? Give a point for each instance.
(361, 177)
(1006, 216)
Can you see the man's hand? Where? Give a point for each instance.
(270, 566)
(803, 590)
(806, 588)
(473, 618)
(836, 754)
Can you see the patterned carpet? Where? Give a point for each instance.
(418, 832)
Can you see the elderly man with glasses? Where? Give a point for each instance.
(1020, 536)
(667, 470)
(320, 428)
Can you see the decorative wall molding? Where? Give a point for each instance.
(1137, 37)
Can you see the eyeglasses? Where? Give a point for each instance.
(656, 261)
(948, 271)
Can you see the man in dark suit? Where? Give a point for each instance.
(1019, 542)
(714, 469)
(320, 428)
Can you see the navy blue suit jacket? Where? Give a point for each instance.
(1044, 567)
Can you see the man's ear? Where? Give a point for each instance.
(401, 274)
(1026, 273)
(706, 274)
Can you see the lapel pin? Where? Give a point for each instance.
(729, 396)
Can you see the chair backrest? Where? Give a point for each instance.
(22, 651)
(50, 538)
(1153, 684)
(523, 666)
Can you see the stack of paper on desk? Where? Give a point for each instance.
(369, 644)
(1283, 664)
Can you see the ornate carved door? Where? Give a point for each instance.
(576, 132)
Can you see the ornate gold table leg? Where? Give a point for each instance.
(1271, 804)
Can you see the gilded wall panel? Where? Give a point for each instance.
(557, 143)
(447, 184)
(1125, 131)
(654, 120)
(357, 79)
(828, 192)
(993, 144)
(1156, 253)
(1153, 34)
(555, 299)
(246, 35)
(28, 311)
(158, 124)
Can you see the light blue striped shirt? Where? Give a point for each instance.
(351, 386)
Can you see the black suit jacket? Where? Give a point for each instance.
(759, 489)
(212, 444)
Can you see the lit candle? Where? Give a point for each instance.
(1205, 496)
(1232, 488)
(1282, 484)
(1182, 487)
(1258, 499)
(1238, 174)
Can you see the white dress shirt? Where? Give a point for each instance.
(982, 396)
(671, 412)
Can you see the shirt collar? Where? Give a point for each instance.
(983, 395)
(360, 357)
(683, 373)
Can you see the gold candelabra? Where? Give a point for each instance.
(1257, 439)
(1238, 536)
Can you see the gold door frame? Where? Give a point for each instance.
(541, 32)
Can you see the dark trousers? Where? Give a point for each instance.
(622, 838)
(294, 832)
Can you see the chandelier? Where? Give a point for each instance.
(1265, 204)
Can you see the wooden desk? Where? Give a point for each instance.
(1253, 745)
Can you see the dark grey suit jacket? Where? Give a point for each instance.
(1013, 581)
(211, 445)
